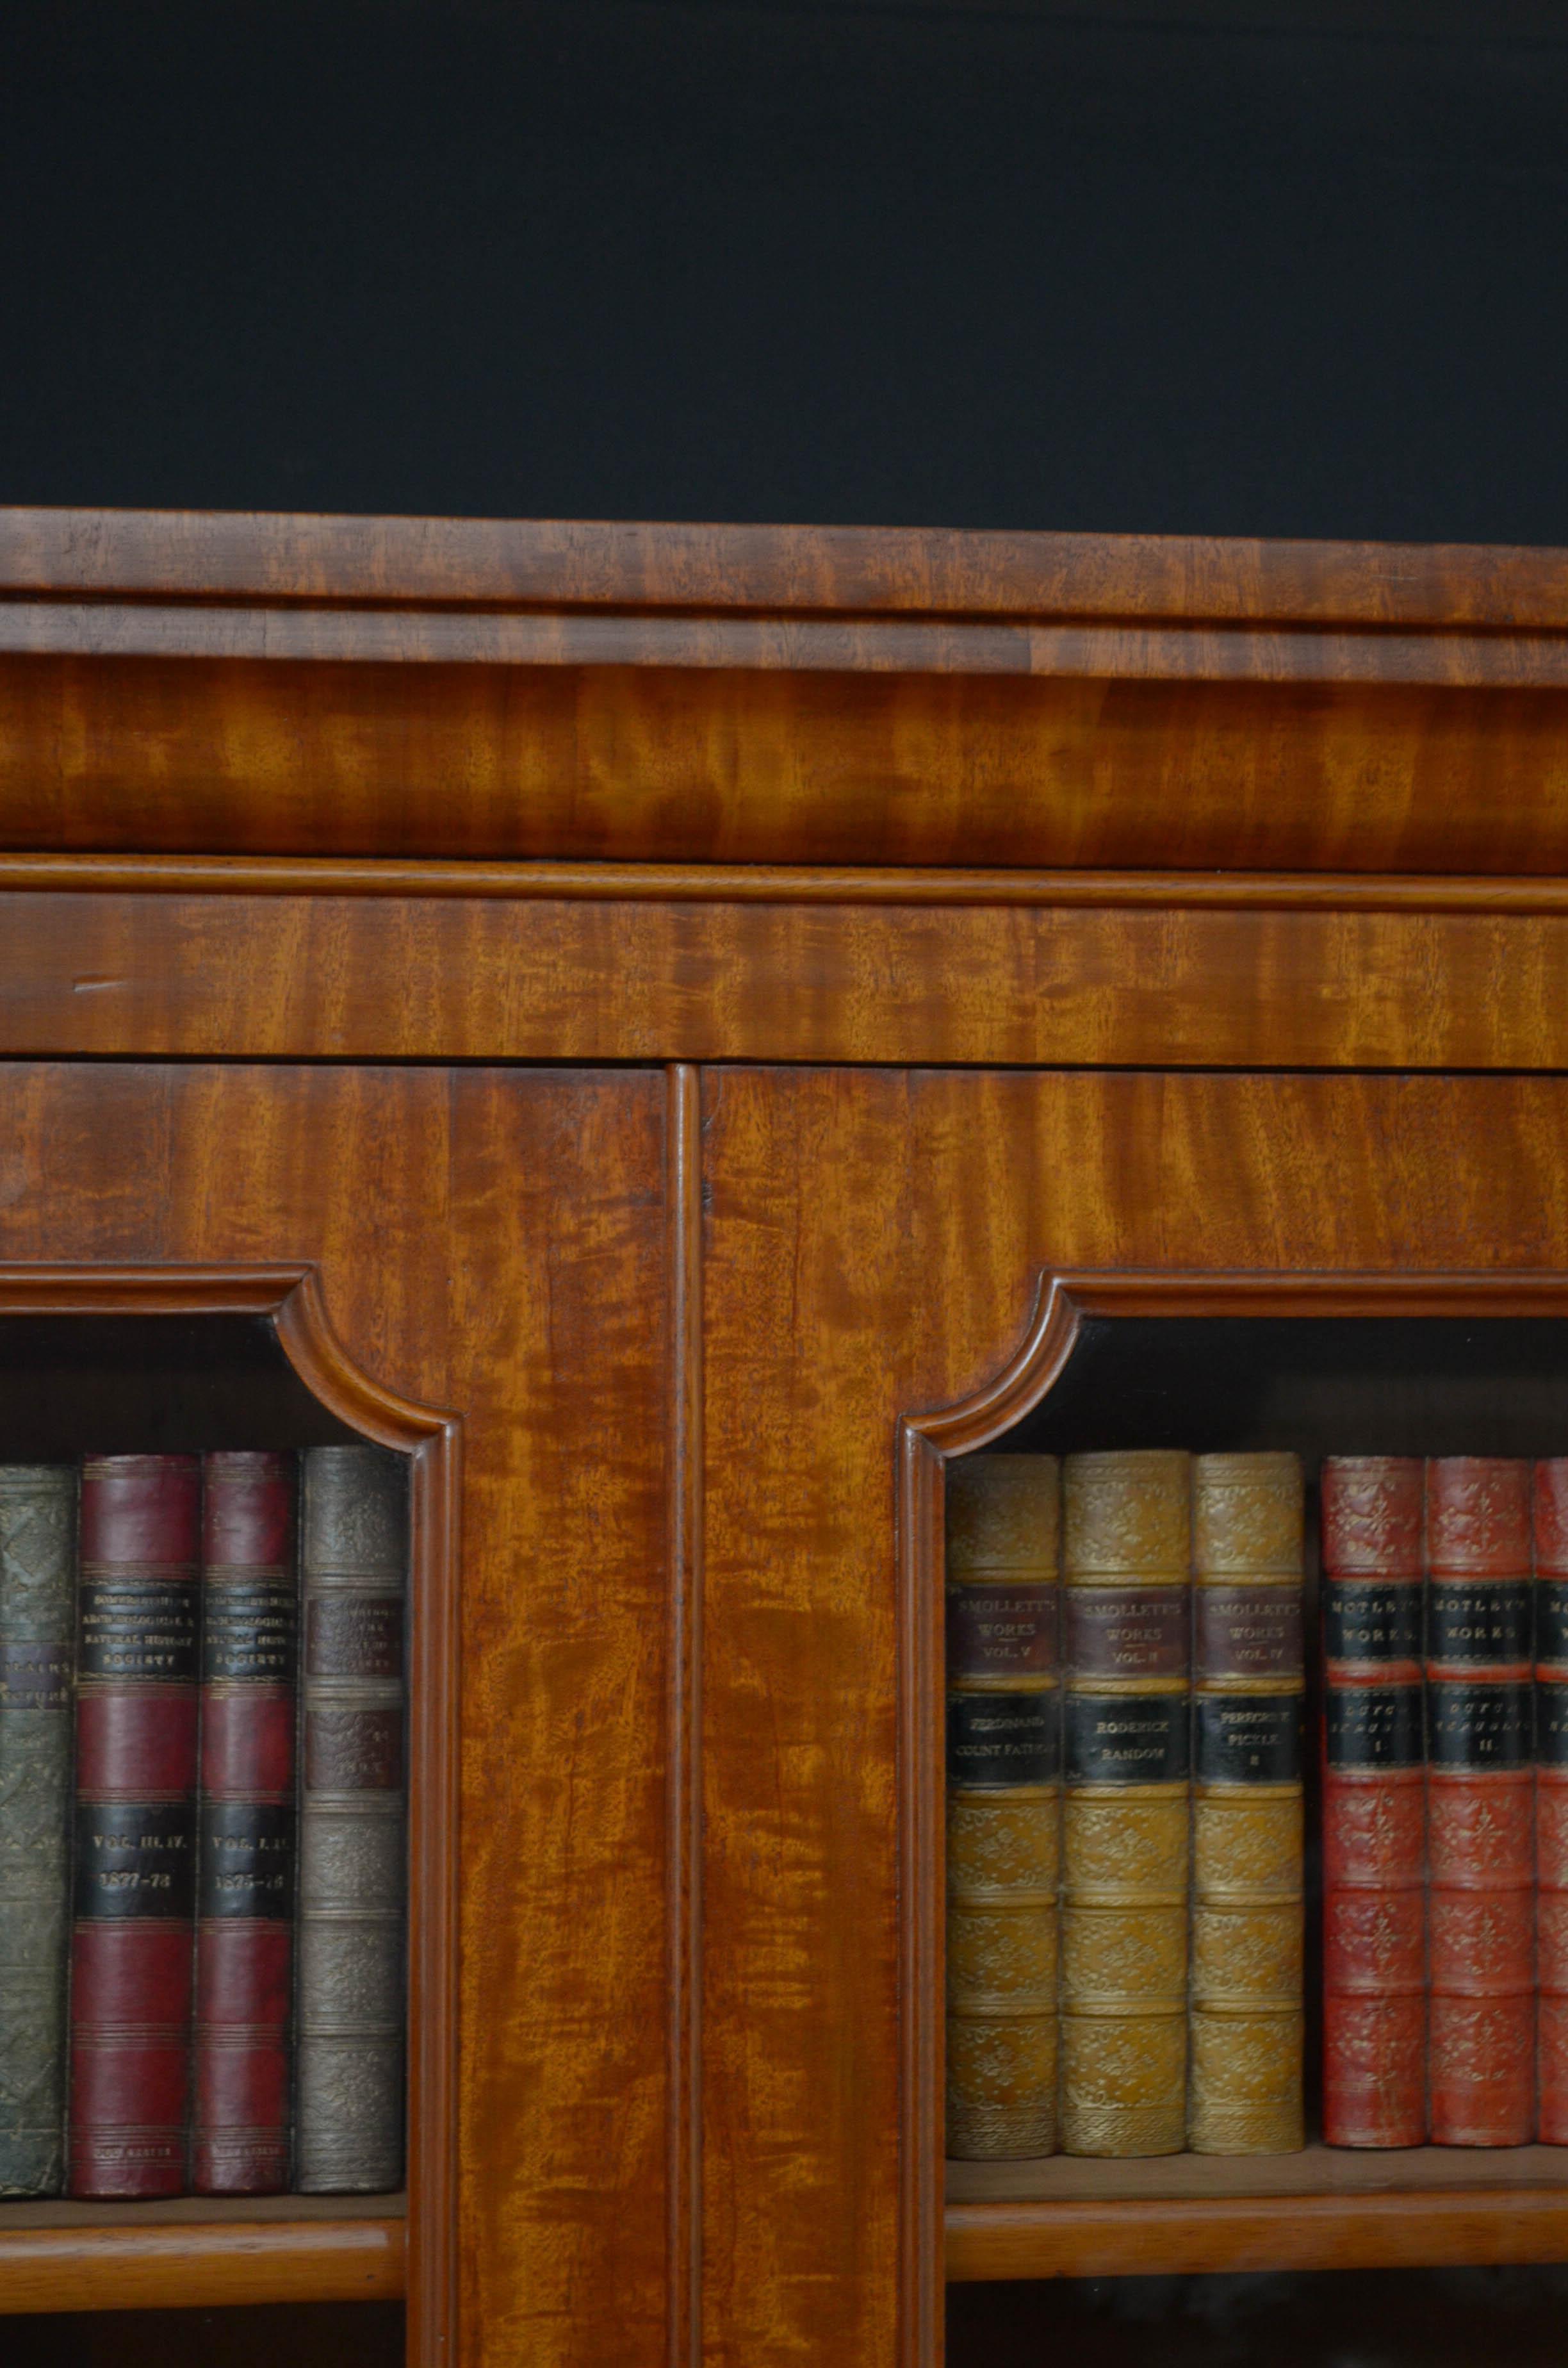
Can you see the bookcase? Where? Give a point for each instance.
(683, 1032)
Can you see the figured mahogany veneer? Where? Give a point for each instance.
(632, 565)
(1184, 921)
(417, 687)
(1052, 972)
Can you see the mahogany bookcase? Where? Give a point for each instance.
(677, 1029)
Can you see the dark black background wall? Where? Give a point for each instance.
(1224, 266)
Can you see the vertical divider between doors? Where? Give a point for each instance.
(684, 1203)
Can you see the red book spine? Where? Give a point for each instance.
(1479, 1801)
(246, 1830)
(136, 1717)
(1374, 1813)
(1552, 1798)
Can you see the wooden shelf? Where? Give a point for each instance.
(1323, 2208)
(201, 2252)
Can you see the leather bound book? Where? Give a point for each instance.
(37, 1618)
(353, 1852)
(1552, 1797)
(245, 1830)
(1479, 1801)
(1374, 1802)
(134, 1888)
(1003, 1805)
(1126, 1620)
(1248, 1685)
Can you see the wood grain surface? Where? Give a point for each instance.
(195, 554)
(696, 762)
(1191, 651)
(474, 689)
(1333, 2207)
(1315, 2170)
(542, 881)
(683, 1418)
(1341, 2232)
(874, 1244)
(496, 1242)
(354, 978)
(201, 2264)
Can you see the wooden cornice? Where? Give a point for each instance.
(277, 560)
(474, 690)
(836, 599)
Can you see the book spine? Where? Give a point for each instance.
(1248, 1697)
(1551, 1523)
(1126, 1611)
(135, 1842)
(1479, 1801)
(1374, 1802)
(1003, 1810)
(37, 1581)
(350, 2022)
(245, 1828)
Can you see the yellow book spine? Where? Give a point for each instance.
(1249, 1680)
(1126, 1803)
(1003, 1806)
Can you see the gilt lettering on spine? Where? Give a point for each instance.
(135, 1841)
(1003, 1805)
(1479, 1801)
(1374, 1802)
(246, 1871)
(1248, 1678)
(1125, 1805)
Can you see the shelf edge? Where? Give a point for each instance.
(1468, 2226)
(202, 2265)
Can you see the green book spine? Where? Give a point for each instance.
(37, 1574)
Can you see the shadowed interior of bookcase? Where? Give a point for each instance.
(1341, 1385)
(1324, 2319)
(150, 1384)
(304, 2335)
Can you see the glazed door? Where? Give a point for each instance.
(486, 1258)
(874, 1247)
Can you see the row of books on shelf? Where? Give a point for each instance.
(1126, 1675)
(203, 1841)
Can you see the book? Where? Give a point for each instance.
(1479, 1801)
(1374, 1802)
(245, 1828)
(1551, 1563)
(1003, 1805)
(353, 1849)
(135, 1826)
(1126, 1559)
(37, 1618)
(1244, 2067)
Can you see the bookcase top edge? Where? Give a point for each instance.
(289, 559)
